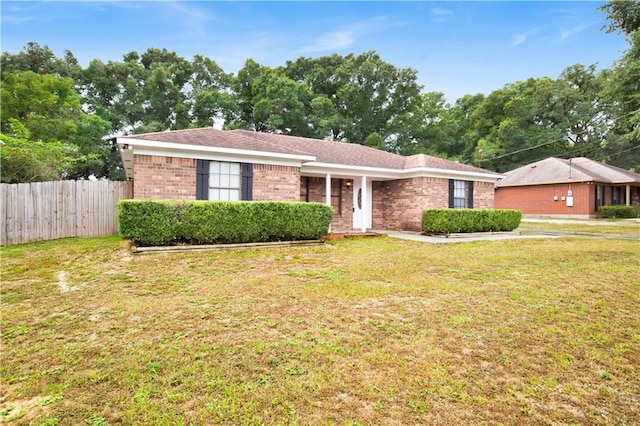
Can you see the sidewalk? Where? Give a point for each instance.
(462, 238)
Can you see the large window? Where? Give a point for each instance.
(460, 194)
(224, 181)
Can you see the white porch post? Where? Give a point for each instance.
(628, 197)
(327, 191)
(365, 205)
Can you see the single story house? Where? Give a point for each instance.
(566, 188)
(368, 188)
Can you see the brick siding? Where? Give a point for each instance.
(342, 220)
(276, 183)
(159, 177)
(540, 200)
(398, 204)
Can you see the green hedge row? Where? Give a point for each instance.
(449, 221)
(169, 222)
(617, 212)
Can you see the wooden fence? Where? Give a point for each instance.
(48, 210)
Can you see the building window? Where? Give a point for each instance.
(304, 189)
(460, 194)
(336, 196)
(224, 181)
(599, 196)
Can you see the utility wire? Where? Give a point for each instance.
(552, 141)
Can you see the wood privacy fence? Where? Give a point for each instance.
(48, 210)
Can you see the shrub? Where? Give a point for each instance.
(617, 212)
(447, 221)
(153, 222)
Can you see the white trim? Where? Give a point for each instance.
(200, 149)
(321, 169)
(219, 157)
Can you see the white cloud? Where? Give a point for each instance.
(566, 33)
(337, 40)
(345, 37)
(441, 12)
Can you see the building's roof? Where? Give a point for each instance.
(327, 152)
(558, 170)
(315, 156)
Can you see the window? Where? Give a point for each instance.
(304, 188)
(460, 194)
(224, 181)
(599, 196)
(336, 196)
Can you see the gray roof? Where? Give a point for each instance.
(342, 153)
(558, 170)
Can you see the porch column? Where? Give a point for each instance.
(327, 191)
(365, 204)
(628, 197)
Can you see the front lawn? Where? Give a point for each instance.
(359, 331)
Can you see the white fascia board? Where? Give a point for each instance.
(451, 174)
(211, 152)
(322, 169)
(387, 174)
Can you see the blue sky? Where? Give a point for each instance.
(457, 48)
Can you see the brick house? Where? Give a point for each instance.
(368, 188)
(566, 188)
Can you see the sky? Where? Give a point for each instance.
(457, 48)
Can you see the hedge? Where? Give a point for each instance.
(448, 221)
(169, 222)
(617, 212)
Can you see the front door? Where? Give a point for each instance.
(359, 200)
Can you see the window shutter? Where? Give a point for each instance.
(202, 179)
(246, 192)
(470, 194)
(451, 192)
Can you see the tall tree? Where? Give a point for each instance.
(623, 88)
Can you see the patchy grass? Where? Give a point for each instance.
(601, 226)
(360, 331)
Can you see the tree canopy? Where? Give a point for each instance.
(53, 106)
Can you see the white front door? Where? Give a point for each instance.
(361, 205)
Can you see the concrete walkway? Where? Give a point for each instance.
(463, 238)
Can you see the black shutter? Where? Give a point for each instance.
(202, 179)
(470, 194)
(451, 186)
(246, 191)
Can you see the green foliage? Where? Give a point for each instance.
(153, 222)
(617, 212)
(149, 222)
(24, 160)
(447, 221)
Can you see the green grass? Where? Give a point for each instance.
(360, 331)
(601, 226)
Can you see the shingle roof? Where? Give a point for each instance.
(208, 136)
(329, 152)
(558, 170)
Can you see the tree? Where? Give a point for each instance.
(48, 109)
(622, 146)
(25, 160)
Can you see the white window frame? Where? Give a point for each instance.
(224, 181)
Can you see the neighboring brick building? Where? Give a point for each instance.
(566, 188)
(369, 188)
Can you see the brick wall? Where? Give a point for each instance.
(276, 183)
(539, 200)
(483, 195)
(342, 220)
(398, 204)
(158, 177)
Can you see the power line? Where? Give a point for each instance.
(553, 141)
